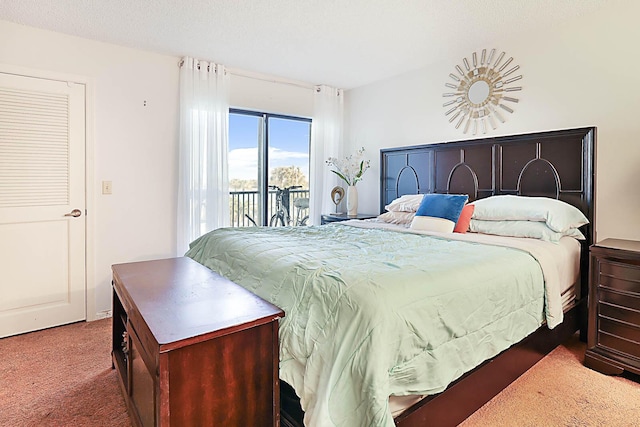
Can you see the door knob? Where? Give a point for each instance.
(74, 213)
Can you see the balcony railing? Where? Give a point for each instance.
(247, 202)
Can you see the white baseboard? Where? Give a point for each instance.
(103, 314)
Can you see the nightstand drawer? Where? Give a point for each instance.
(616, 275)
(613, 341)
(621, 330)
(619, 345)
(620, 313)
(607, 297)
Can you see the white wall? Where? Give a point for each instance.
(134, 145)
(251, 91)
(580, 74)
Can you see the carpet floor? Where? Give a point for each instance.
(560, 391)
(62, 377)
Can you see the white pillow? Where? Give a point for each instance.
(392, 217)
(406, 203)
(431, 223)
(558, 215)
(530, 229)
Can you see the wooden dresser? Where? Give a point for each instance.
(192, 348)
(613, 344)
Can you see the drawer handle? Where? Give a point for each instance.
(125, 344)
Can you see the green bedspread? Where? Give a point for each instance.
(371, 312)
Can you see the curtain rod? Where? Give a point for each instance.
(263, 77)
(257, 76)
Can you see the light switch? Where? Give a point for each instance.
(106, 187)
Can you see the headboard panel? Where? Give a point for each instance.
(557, 164)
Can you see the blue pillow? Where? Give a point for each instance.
(439, 212)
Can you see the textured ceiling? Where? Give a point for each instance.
(342, 43)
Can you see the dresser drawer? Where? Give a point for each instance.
(619, 305)
(619, 313)
(616, 275)
(619, 345)
(622, 330)
(613, 341)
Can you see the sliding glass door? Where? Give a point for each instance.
(268, 168)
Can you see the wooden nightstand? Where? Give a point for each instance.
(193, 348)
(335, 217)
(613, 343)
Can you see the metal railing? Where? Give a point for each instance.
(247, 202)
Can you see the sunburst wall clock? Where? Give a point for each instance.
(482, 92)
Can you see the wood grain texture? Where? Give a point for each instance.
(183, 302)
(211, 382)
(201, 349)
(613, 344)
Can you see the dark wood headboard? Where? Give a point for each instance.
(558, 164)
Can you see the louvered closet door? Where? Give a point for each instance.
(42, 168)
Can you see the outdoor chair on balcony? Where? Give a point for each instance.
(302, 210)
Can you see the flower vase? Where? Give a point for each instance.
(352, 201)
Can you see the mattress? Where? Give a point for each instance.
(567, 256)
(375, 312)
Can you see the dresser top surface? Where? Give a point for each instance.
(179, 299)
(620, 244)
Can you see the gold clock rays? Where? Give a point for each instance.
(482, 92)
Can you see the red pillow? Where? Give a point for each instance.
(465, 218)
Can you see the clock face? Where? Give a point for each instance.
(481, 92)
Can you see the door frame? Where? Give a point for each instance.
(89, 141)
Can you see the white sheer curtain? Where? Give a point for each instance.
(326, 141)
(203, 182)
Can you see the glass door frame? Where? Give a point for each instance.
(263, 155)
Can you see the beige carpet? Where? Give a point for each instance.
(560, 391)
(63, 377)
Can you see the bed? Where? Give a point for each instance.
(358, 325)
